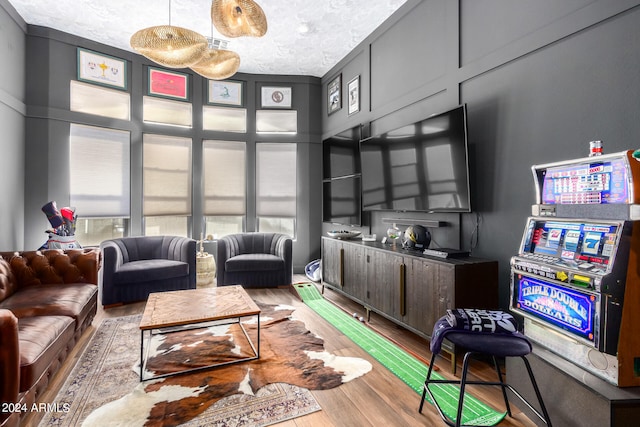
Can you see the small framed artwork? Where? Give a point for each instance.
(168, 84)
(102, 69)
(353, 92)
(276, 97)
(225, 92)
(334, 94)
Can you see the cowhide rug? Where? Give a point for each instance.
(289, 353)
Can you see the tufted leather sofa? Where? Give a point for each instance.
(255, 260)
(47, 300)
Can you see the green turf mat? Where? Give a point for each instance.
(401, 363)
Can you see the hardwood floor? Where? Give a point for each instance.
(377, 399)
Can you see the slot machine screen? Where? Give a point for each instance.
(597, 182)
(575, 243)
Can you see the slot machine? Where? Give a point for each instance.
(576, 277)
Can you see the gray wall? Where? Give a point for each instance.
(540, 80)
(51, 65)
(12, 120)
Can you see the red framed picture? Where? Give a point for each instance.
(168, 84)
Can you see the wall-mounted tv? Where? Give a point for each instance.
(341, 201)
(419, 167)
(340, 154)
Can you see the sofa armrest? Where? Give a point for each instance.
(9, 361)
(284, 249)
(222, 255)
(283, 246)
(112, 260)
(184, 249)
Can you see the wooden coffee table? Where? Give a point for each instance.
(175, 311)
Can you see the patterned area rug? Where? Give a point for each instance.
(104, 389)
(272, 404)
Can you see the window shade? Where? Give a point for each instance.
(276, 179)
(112, 103)
(99, 171)
(224, 170)
(224, 119)
(166, 175)
(274, 121)
(166, 112)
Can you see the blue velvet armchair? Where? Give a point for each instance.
(134, 267)
(255, 260)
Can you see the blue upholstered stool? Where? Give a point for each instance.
(494, 344)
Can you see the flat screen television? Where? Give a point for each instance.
(420, 167)
(341, 201)
(340, 154)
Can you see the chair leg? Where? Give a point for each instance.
(426, 381)
(545, 414)
(502, 385)
(463, 383)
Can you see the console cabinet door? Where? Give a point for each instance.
(344, 267)
(332, 262)
(419, 278)
(355, 271)
(429, 289)
(383, 282)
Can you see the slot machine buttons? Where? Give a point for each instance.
(582, 281)
(562, 276)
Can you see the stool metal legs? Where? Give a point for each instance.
(545, 415)
(502, 385)
(463, 383)
(426, 389)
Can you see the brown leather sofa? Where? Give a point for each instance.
(47, 300)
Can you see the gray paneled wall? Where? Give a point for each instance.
(540, 79)
(12, 124)
(51, 65)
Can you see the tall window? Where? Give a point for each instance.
(276, 190)
(99, 182)
(224, 187)
(166, 185)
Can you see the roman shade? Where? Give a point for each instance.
(276, 180)
(166, 175)
(99, 171)
(224, 178)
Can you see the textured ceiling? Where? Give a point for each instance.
(305, 37)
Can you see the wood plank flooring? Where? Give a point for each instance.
(377, 399)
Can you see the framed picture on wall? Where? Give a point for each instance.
(94, 67)
(334, 94)
(225, 92)
(276, 97)
(353, 94)
(168, 84)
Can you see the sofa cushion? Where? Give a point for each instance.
(7, 280)
(148, 270)
(254, 262)
(42, 341)
(72, 300)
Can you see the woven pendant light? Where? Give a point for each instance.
(218, 64)
(237, 18)
(173, 47)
